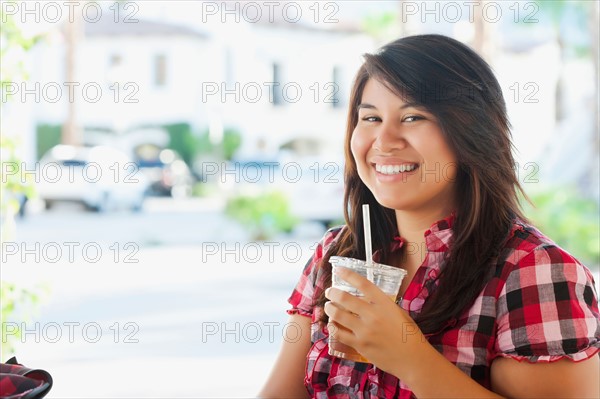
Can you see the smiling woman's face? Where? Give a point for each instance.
(401, 153)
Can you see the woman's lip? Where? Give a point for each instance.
(400, 176)
(391, 161)
(394, 163)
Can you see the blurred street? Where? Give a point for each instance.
(200, 314)
(175, 294)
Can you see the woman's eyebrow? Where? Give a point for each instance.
(404, 106)
(412, 105)
(366, 105)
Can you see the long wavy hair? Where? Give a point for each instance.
(459, 88)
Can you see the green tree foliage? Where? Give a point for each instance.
(232, 140)
(47, 136)
(189, 145)
(264, 215)
(14, 184)
(557, 10)
(571, 220)
(182, 140)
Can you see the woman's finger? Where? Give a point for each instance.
(370, 291)
(350, 302)
(342, 315)
(339, 333)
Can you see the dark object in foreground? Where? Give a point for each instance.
(19, 382)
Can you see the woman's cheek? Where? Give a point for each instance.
(358, 146)
(358, 153)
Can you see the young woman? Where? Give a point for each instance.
(490, 306)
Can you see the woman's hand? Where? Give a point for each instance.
(373, 325)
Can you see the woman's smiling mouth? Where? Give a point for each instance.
(395, 169)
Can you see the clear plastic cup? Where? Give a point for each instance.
(387, 278)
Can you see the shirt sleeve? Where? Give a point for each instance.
(311, 283)
(548, 309)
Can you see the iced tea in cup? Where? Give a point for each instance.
(387, 278)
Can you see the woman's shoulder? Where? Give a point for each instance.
(525, 237)
(330, 236)
(528, 251)
(333, 232)
(320, 247)
(546, 305)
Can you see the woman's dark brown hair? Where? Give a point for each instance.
(458, 87)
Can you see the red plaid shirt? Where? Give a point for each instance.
(540, 305)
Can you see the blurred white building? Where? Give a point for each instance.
(272, 81)
(127, 74)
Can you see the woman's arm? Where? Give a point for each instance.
(560, 379)
(287, 377)
(510, 378)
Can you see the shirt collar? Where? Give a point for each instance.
(437, 236)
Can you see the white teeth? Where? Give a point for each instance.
(394, 169)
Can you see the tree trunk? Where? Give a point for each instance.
(71, 132)
(401, 27)
(479, 34)
(559, 104)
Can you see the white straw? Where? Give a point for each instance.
(368, 245)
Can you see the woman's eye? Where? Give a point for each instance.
(370, 119)
(412, 118)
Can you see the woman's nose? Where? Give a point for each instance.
(388, 139)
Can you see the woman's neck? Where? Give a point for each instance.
(412, 227)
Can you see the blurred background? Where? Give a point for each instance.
(168, 166)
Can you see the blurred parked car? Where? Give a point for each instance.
(167, 173)
(101, 177)
(314, 183)
(306, 170)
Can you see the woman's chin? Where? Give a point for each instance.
(393, 203)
